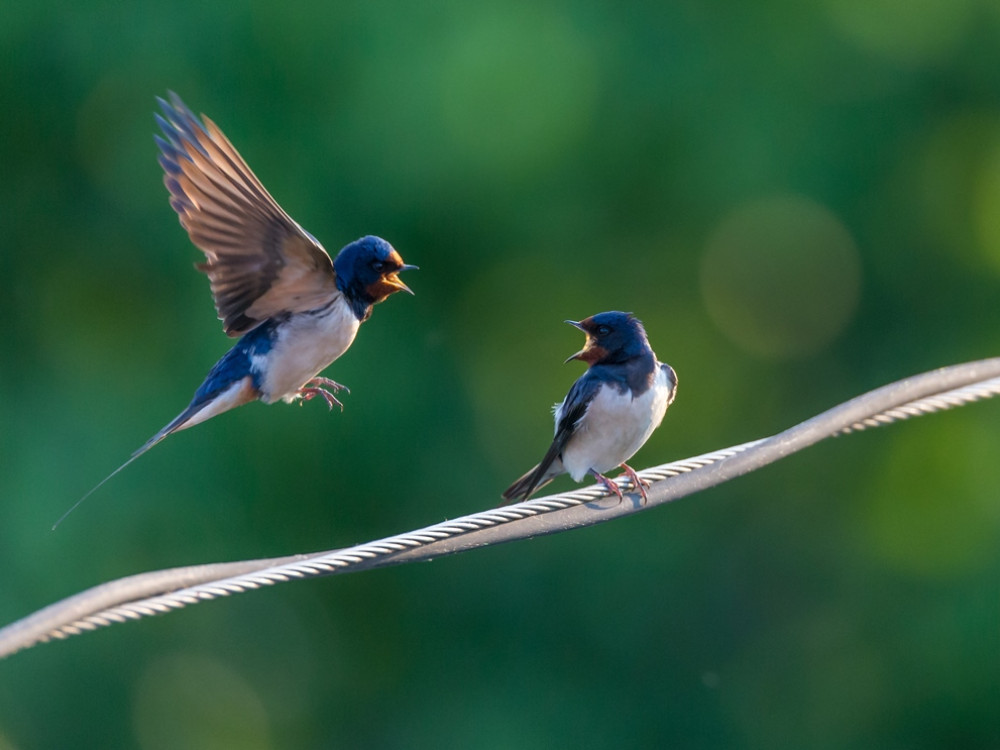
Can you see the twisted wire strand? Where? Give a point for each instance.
(939, 402)
(328, 563)
(163, 591)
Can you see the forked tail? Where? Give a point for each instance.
(174, 425)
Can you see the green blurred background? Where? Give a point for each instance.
(801, 201)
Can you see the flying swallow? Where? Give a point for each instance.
(293, 309)
(610, 411)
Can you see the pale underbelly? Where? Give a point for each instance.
(306, 346)
(615, 428)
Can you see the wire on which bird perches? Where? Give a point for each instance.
(158, 592)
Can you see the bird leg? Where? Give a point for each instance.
(328, 383)
(638, 483)
(314, 388)
(307, 394)
(609, 485)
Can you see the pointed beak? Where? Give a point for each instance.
(579, 354)
(393, 279)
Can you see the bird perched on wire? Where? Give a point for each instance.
(610, 411)
(294, 309)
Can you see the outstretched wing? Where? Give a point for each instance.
(260, 263)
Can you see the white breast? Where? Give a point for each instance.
(306, 344)
(615, 427)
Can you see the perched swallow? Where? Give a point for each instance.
(294, 309)
(610, 411)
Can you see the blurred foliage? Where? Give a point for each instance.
(800, 200)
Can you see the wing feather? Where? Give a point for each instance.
(259, 261)
(570, 412)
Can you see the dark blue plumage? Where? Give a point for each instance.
(610, 411)
(360, 269)
(274, 286)
(237, 363)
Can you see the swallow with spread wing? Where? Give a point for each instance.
(294, 309)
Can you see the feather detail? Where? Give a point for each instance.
(259, 261)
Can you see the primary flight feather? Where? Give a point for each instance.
(294, 309)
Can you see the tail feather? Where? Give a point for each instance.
(176, 424)
(206, 404)
(531, 482)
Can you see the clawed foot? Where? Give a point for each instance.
(638, 483)
(315, 387)
(318, 382)
(609, 485)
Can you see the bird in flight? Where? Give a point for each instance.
(293, 309)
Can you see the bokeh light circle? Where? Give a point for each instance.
(781, 277)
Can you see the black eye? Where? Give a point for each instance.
(603, 330)
(378, 266)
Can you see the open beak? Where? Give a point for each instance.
(394, 281)
(580, 354)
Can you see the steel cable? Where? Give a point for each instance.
(162, 591)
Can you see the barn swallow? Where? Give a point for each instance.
(610, 411)
(294, 309)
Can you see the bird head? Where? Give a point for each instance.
(611, 337)
(368, 272)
